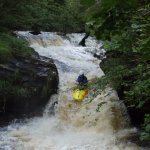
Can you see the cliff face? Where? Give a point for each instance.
(26, 85)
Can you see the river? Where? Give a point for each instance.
(75, 126)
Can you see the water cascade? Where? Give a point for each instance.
(75, 126)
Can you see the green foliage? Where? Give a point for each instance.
(8, 89)
(98, 83)
(124, 28)
(96, 87)
(100, 105)
(139, 93)
(41, 15)
(87, 2)
(10, 45)
(145, 134)
(5, 53)
(68, 17)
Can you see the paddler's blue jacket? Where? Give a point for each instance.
(82, 79)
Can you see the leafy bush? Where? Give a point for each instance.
(41, 15)
(10, 45)
(145, 134)
(5, 53)
(124, 28)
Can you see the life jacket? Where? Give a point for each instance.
(82, 79)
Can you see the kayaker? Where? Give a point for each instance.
(82, 80)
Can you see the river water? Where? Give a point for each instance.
(75, 126)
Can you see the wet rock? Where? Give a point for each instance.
(99, 55)
(26, 85)
(82, 42)
(35, 32)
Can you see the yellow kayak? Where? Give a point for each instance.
(79, 95)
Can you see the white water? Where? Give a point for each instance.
(76, 126)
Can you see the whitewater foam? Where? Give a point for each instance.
(75, 126)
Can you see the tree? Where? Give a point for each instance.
(124, 28)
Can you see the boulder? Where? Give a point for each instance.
(82, 42)
(26, 85)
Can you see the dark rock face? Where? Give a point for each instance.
(82, 42)
(136, 114)
(35, 32)
(26, 84)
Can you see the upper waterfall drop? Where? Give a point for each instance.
(69, 57)
(76, 126)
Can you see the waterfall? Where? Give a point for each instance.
(75, 126)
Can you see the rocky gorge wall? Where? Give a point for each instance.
(114, 59)
(26, 85)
